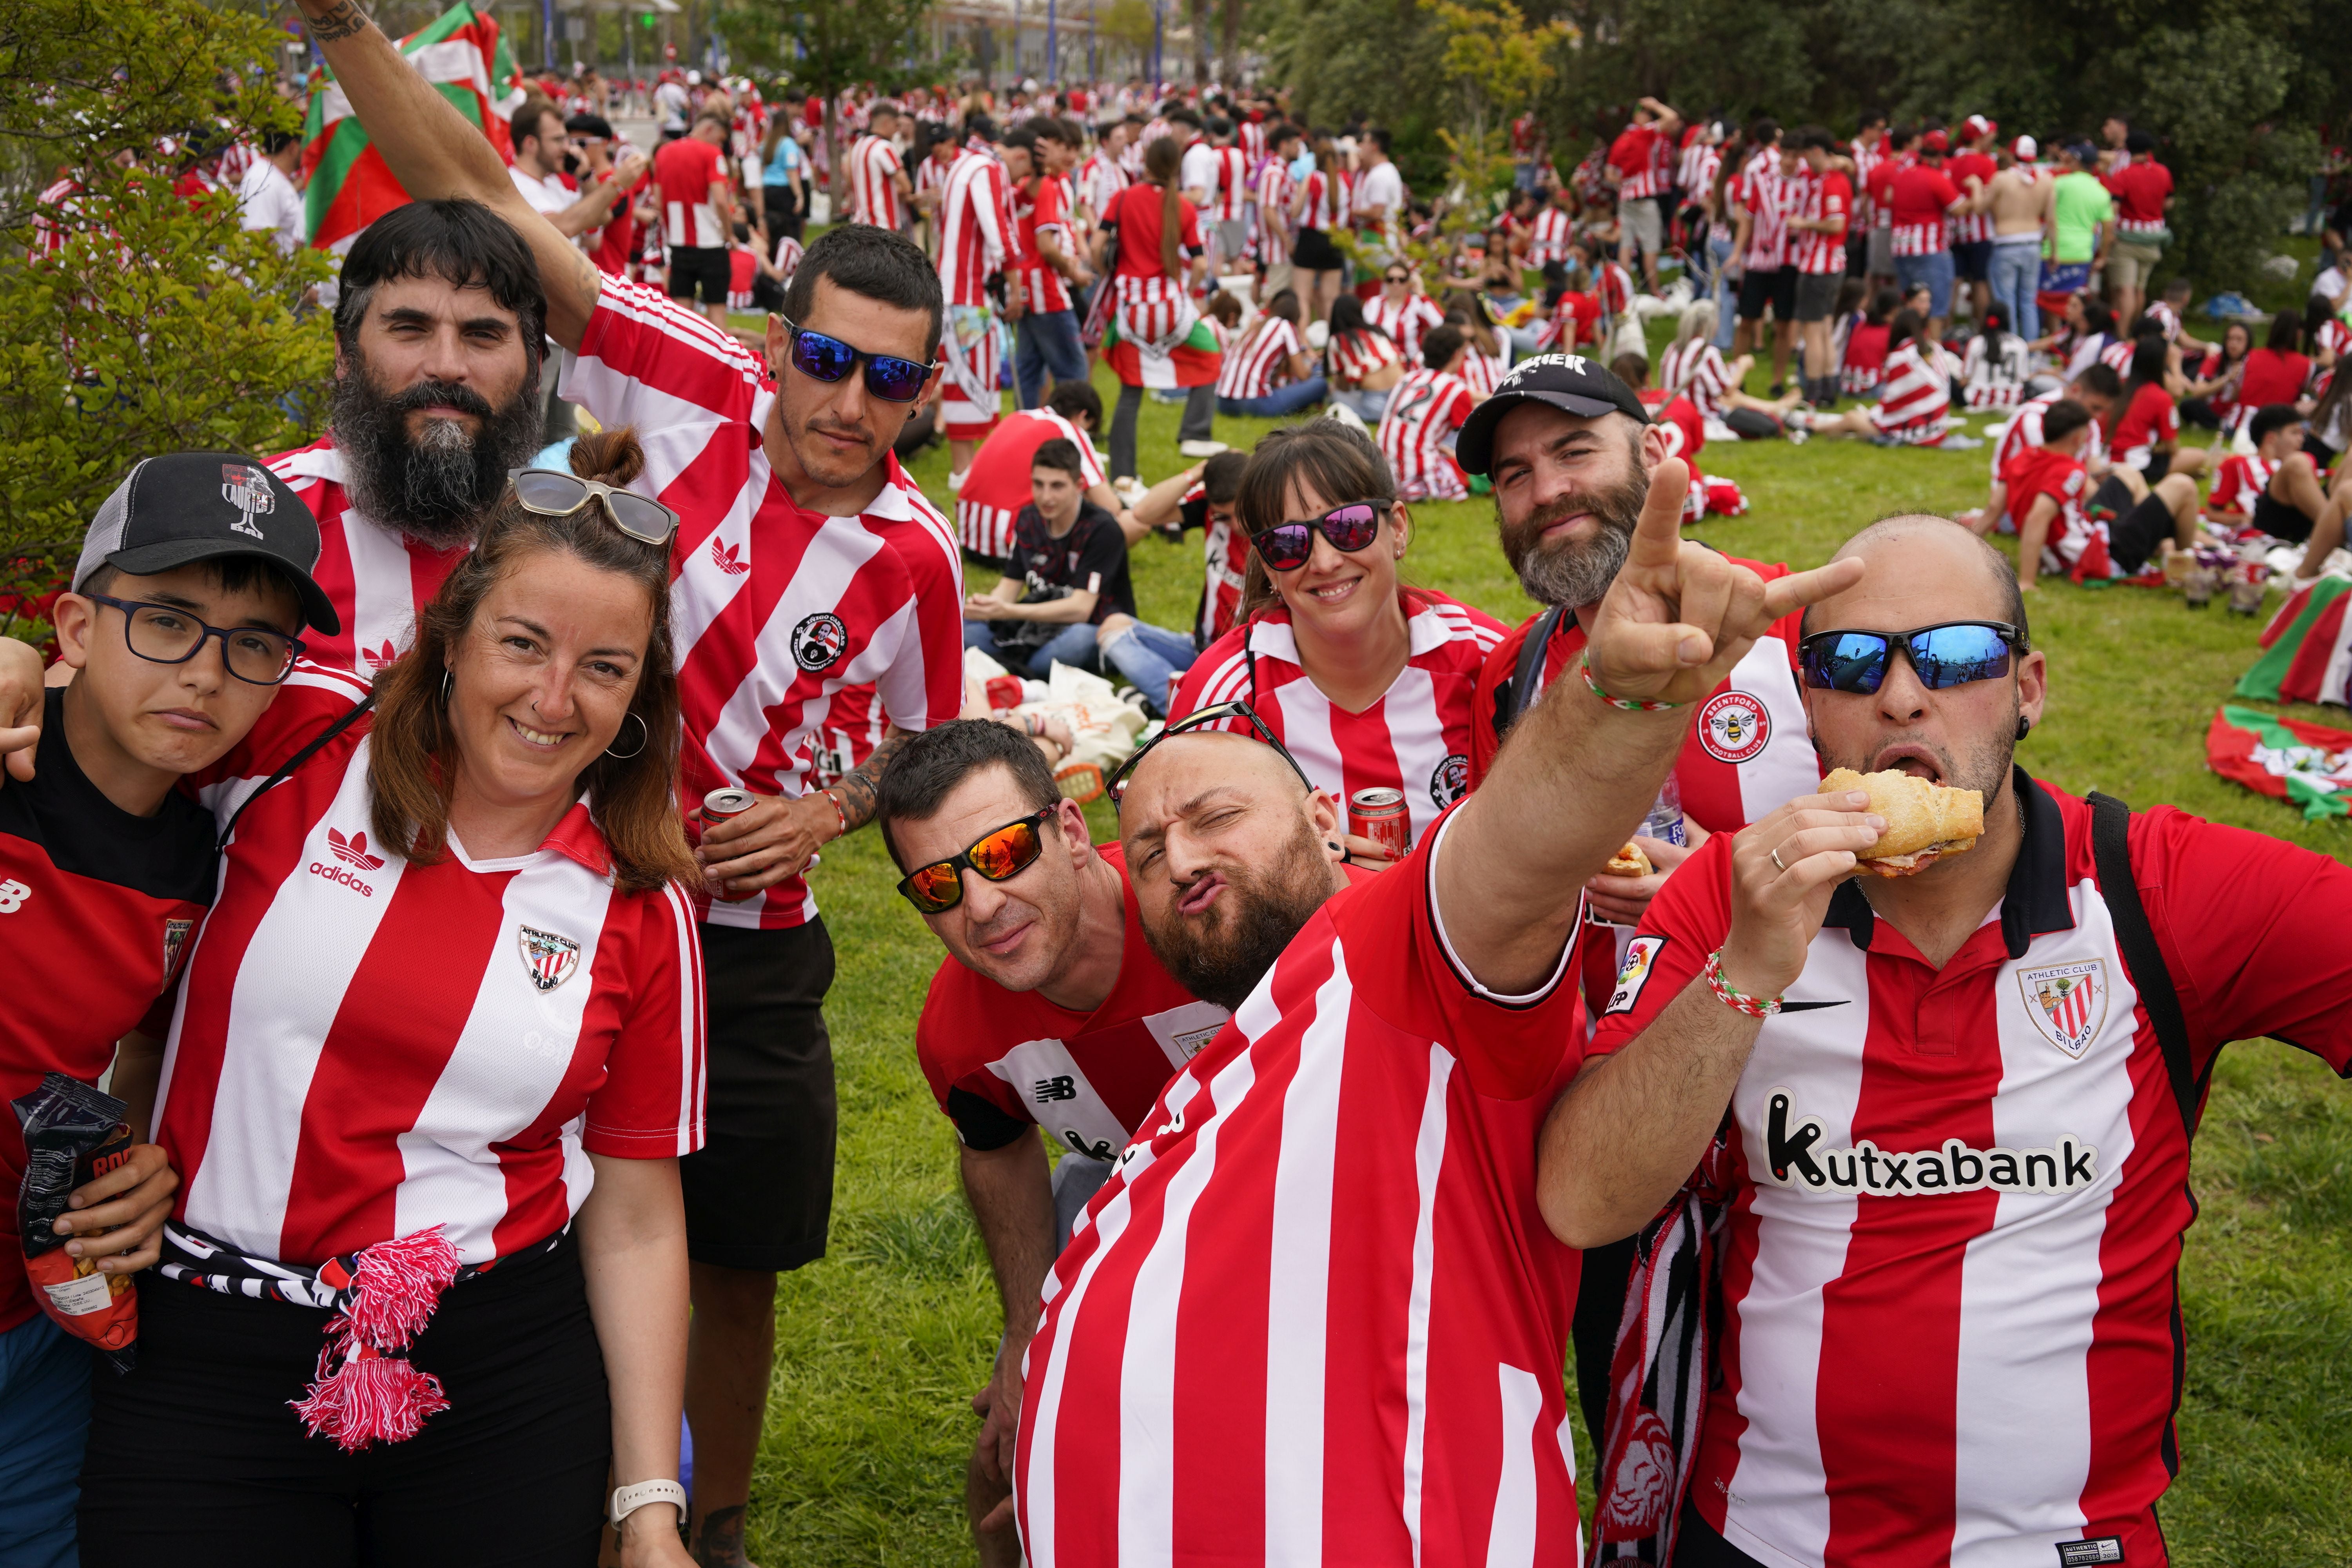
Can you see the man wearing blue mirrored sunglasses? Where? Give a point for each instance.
(1955, 1112)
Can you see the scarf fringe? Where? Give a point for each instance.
(375, 1395)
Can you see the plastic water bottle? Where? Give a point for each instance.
(1666, 819)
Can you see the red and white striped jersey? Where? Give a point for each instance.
(1767, 195)
(1043, 209)
(976, 227)
(1552, 230)
(1866, 157)
(1636, 157)
(1914, 402)
(1969, 228)
(365, 1047)
(1424, 411)
(789, 252)
(1230, 201)
(874, 193)
(2239, 483)
(2333, 333)
(1327, 202)
(1250, 136)
(1923, 195)
(1261, 362)
(377, 577)
(931, 174)
(1226, 550)
(1996, 379)
(1416, 738)
(2075, 538)
(1275, 189)
(1824, 198)
(1695, 368)
(2117, 356)
(773, 609)
(683, 173)
(1315, 1316)
(56, 215)
(2025, 430)
(1355, 355)
(1612, 289)
(1408, 323)
(1950, 1327)
(1481, 372)
(1002, 1061)
(1695, 167)
(1100, 179)
(996, 485)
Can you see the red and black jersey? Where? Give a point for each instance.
(99, 903)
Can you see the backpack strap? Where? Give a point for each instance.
(1512, 697)
(2110, 852)
(286, 769)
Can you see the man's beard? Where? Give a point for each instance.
(434, 488)
(1575, 571)
(1984, 767)
(1221, 957)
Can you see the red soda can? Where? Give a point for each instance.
(1379, 815)
(1004, 692)
(727, 802)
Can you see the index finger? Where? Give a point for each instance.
(1798, 589)
(1658, 535)
(19, 742)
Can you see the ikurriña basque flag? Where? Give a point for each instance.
(2307, 764)
(2307, 654)
(462, 54)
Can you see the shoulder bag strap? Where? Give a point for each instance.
(1511, 700)
(286, 768)
(2111, 851)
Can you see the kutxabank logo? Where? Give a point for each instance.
(1793, 1158)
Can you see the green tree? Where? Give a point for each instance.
(161, 325)
(827, 46)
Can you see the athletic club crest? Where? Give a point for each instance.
(550, 958)
(819, 641)
(1733, 726)
(2067, 1002)
(175, 937)
(247, 487)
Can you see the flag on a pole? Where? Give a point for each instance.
(2308, 647)
(466, 59)
(2308, 765)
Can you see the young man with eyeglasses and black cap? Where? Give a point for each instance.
(1051, 1012)
(1946, 1111)
(188, 602)
(806, 561)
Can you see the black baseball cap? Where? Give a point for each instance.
(205, 506)
(1567, 382)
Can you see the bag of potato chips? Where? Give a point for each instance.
(73, 1134)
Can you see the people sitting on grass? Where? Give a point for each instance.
(1364, 363)
(1994, 367)
(1693, 367)
(996, 485)
(2279, 492)
(2095, 389)
(2091, 531)
(2277, 371)
(1268, 373)
(1206, 496)
(1862, 361)
(2145, 429)
(2211, 402)
(1417, 428)
(1685, 435)
(1066, 598)
(1915, 404)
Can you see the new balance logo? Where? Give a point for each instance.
(353, 851)
(1051, 1089)
(729, 559)
(1792, 1157)
(13, 895)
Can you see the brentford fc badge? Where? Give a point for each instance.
(1733, 726)
(550, 958)
(819, 641)
(2067, 1002)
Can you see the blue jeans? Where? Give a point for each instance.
(1282, 400)
(1072, 645)
(1048, 344)
(1148, 656)
(44, 1422)
(1934, 269)
(2016, 269)
(1727, 294)
(1368, 405)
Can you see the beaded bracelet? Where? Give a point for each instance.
(1732, 996)
(1630, 704)
(839, 812)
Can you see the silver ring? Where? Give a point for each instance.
(1776, 861)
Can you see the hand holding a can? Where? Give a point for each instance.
(752, 842)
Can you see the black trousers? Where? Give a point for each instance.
(195, 1458)
(758, 1193)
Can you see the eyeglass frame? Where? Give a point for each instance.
(598, 490)
(794, 331)
(2012, 637)
(1201, 718)
(960, 861)
(205, 632)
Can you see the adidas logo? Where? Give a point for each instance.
(376, 658)
(353, 851)
(729, 559)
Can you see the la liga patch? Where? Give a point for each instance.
(1641, 961)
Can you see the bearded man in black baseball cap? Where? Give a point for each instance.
(1571, 449)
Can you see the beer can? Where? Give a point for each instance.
(1380, 815)
(727, 802)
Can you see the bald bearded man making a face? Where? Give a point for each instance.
(1315, 1313)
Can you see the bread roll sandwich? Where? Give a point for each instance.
(1925, 821)
(1630, 861)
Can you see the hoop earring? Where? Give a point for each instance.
(645, 736)
(447, 683)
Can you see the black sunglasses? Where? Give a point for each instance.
(165, 634)
(1286, 546)
(1951, 653)
(551, 492)
(999, 855)
(826, 359)
(1200, 720)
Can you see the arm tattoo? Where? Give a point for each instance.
(339, 20)
(859, 788)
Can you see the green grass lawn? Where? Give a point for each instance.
(881, 1345)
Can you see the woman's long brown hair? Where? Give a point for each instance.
(413, 750)
(1163, 164)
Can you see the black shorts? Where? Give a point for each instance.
(2280, 520)
(195, 1458)
(758, 1193)
(1973, 260)
(2137, 534)
(1315, 253)
(698, 267)
(1816, 295)
(1777, 288)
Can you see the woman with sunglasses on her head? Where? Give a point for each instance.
(1156, 338)
(447, 1015)
(1402, 311)
(1367, 682)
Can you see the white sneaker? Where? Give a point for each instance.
(955, 481)
(1201, 448)
(1131, 489)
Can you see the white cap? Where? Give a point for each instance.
(2025, 149)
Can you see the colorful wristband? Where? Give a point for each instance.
(1732, 996)
(1630, 704)
(839, 813)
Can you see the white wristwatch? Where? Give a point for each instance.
(627, 1500)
